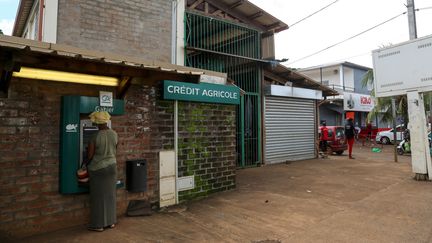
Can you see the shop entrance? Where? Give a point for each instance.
(222, 46)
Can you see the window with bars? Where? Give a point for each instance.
(222, 46)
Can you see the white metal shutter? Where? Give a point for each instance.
(289, 129)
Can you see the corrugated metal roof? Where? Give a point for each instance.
(246, 12)
(300, 80)
(59, 50)
(336, 64)
(22, 15)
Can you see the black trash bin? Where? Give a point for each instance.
(136, 175)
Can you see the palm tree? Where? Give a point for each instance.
(383, 105)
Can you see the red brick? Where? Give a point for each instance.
(33, 172)
(14, 156)
(6, 217)
(26, 197)
(7, 130)
(27, 214)
(6, 199)
(14, 104)
(13, 189)
(50, 178)
(7, 146)
(51, 210)
(15, 207)
(28, 180)
(73, 206)
(14, 121)
(4, 165)
(12, 173)
(28, 163)
(34, 130)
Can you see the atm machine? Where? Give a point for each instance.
(87, 131)
(76, 130)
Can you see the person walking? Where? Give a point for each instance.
(350, 135)
(324, 138)
(103, 174)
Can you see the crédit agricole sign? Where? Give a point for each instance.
(203, 92)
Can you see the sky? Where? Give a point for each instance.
(340, 21)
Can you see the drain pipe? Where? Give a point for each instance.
(174, 61)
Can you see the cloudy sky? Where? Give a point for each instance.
(341, 20)
(8, 10)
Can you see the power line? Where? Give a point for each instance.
(417, 9)
(310, 15)
(347, 39)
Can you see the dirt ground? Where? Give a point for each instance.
(368, 199)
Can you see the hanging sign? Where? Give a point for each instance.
(358, 102)
(203, 92)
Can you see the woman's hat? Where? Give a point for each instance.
(100, 117)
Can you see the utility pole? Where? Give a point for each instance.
(393, 100)
(411, 20)
(420, 155)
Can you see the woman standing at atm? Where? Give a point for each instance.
(103, 174)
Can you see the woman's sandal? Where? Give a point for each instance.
(95, 229)
(112, 226)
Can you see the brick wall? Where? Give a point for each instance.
(30, 201)
(207, 147)
(140, 28)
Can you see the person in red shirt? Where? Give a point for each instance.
(368, 136)
(350, 134)
(324, 137)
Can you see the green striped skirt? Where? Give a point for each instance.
(103, 197)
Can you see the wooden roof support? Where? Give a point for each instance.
(195, 4)
(256, 15)
(123, 87)
(229, 11)
(236, 4)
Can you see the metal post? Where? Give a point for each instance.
(411, 20)
(393, 101)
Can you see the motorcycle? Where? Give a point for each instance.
(405, 145)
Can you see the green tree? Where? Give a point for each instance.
(1, 32)
(383, 105)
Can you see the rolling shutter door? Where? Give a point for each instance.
(289, 129)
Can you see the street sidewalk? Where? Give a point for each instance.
(368, 199)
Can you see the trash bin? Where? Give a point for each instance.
(136, 175)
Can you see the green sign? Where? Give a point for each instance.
(203, 92)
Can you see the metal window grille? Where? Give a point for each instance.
(218, 45)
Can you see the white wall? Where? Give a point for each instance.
(49, 22)
(49, 25)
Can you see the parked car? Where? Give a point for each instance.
(364, 132)
(386, 137)
(336, 139)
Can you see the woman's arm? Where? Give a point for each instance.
(90, 151)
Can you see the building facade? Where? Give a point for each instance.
(354, 98)
(192, 148)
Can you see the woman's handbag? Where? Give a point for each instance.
(82, 174)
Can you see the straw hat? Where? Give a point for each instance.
(100, 117)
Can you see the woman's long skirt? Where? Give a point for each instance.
(103, 197)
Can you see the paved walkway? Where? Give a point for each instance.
(369, 199)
